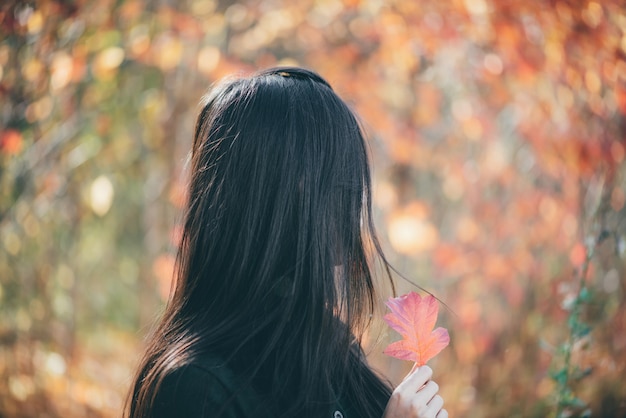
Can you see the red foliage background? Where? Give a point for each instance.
(498, 139)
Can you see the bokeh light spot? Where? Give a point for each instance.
(101, 195)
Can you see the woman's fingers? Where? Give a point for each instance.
(415, 380)
(434, 406)
(426, 394)
(430, 390)
(416, 397)
(424, 403)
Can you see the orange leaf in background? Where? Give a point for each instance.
(620, 92)
(11, 142)
(163, 269)
(577, 255)
(414, 318)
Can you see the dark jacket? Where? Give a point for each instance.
(204, 387)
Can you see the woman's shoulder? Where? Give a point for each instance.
(207, 387)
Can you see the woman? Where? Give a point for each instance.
(273, 280)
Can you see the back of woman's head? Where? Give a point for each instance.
(279, 174)
(272, 255)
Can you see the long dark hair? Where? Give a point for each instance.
(274, 266)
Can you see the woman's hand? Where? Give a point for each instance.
(416, 397)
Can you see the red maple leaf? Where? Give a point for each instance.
(414, 318)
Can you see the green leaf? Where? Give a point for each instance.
(560, 376)
(584, 295)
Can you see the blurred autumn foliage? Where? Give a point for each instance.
(498, 136)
